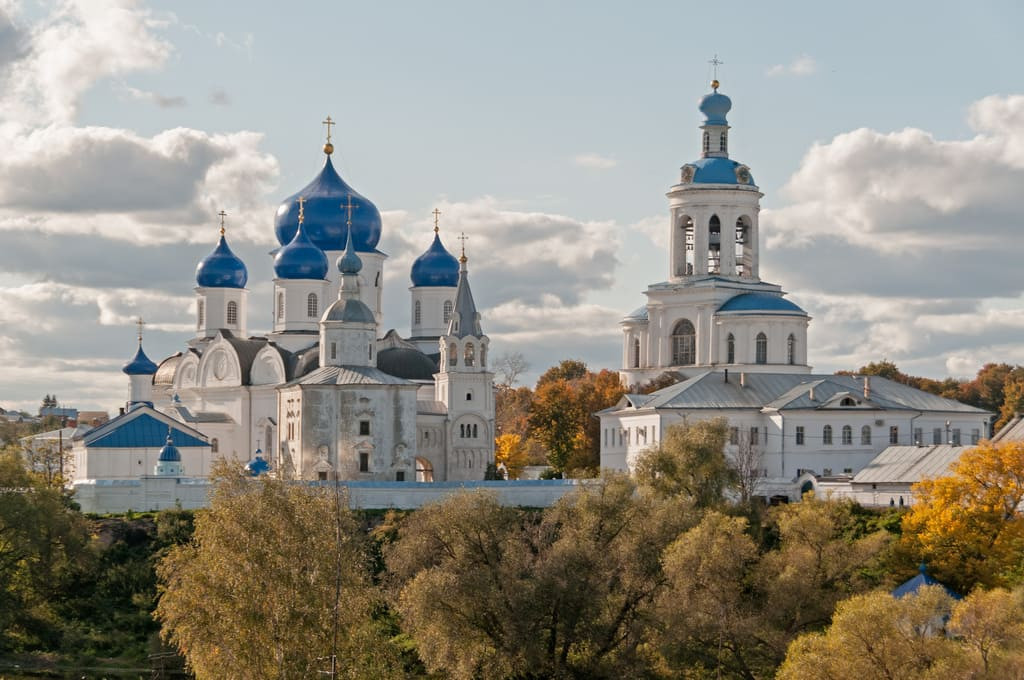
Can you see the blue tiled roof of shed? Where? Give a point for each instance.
(143, 432)
(911, 586)
(760, 302)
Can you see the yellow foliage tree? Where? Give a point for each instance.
(968, 526)
(510, 451)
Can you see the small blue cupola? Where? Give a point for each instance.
(911, 586)
(169, 453)
(325, 225)
(140, 364)
(435, 267)
(301, 258)
(222, 268)
(715, 106)
(257, 466)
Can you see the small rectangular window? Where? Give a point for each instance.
(322, 475)
(364, 462)
(400, 476)
(799, 435)
(975, 436)
(937, 436)
(918, 436)
(753, 436)
(734, 435)
(364, 427)
(894, 434)
(956, 436)
(334, 350)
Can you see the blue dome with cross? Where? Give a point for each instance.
(325, 213)
(435, 267)
(221, 268)
(169, 453)
(300, 259)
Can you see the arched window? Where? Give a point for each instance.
(214, 445)
(865, 435)
(376, 281)
(369, 351)
(334, 350)
(730, 349)
(684, 344)
(416, 313)
(474, 431)
(447, 311)
(453, 354)
(483, 356)
(848, 401)
(312, 305)
(280, 306)
(232, 313)
(714, 244)
(201, 314)
(462, 430)
(268, 434)
(791, 350)
(723, 142)
(761, 349)
(744, 248)
(826, 434)
(847, 435)
(469, 396)
(470, 354)
(707, 142)
(636, 352)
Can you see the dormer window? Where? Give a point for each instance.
(847, 401)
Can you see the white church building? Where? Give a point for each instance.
(324, 395)
(738, 348)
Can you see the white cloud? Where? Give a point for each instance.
(594, 161)
(803, 65)
(78, 44)
(162, 101)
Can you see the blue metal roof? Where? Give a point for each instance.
(638, 314)
(325, 218)
(143, 431)
(140, 364)
(435, 267)
(300, 259)
(257, 466)
(716, 170)
(222, 268)
(760, 302)
(922, 579)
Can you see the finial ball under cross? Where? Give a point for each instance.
(462, 237)
(140, 323)
(222, 216)
(437, 215)
(328, 147)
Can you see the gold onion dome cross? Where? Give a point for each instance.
(222, 216)
(328, 147)
(437, 216)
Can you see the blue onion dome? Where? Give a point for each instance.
(169, 454)
(715, 106)
(325, 218)
(435, 267)
(349, 263)
(222, 268)
(257, 466)
(300, 259)
(140, 364)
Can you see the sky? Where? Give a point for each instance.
(888, 139)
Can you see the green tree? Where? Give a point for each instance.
(275, 582)
(488, 591)
(690, 460)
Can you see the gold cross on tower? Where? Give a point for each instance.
(140, 323)
(348, 210)
(715, 63)
(437, 215)
(222, 216)
(302, 212)
(462, 237)
(328, 147)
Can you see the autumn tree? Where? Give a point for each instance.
(968, 525)
(510, 451)
(489, 591)
(562, 414)
(274, 585)
(690, 460)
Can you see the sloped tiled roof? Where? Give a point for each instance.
(349, 375)
(142, 427)
(910, 464)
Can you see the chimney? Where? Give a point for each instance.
(121, 409)
(810, 393)
(743, 379)
(727, 375)
(867, 387)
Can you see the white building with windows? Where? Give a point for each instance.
(739, 348)
(323, 395)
